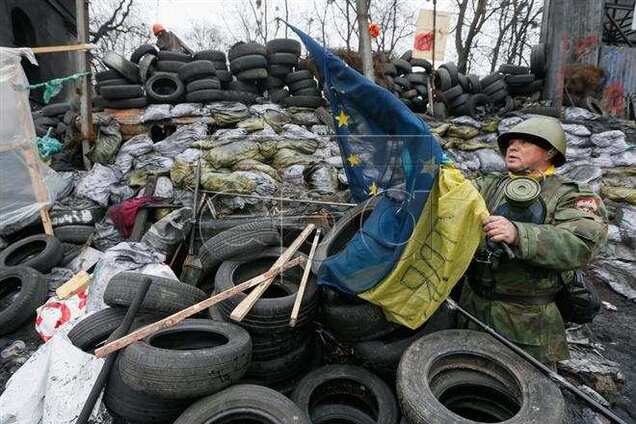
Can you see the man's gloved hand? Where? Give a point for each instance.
(500, 229)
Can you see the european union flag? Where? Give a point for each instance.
(388, 152)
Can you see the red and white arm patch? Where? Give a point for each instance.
(588, 204)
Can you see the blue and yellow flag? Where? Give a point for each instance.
(425, 226)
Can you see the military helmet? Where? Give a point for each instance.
(540, 128)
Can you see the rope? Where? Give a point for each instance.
(54, 86)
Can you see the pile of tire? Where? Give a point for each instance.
(23, 287)
(120, 86)
(459, 94)
(54, 119)
(407, 78)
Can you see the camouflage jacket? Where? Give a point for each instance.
(574, 229)
(169, 41)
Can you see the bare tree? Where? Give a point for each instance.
(257, 22)
(115, 26)
(473, 14)
(397, 22)
(205, 36)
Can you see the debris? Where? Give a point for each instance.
(609, 306)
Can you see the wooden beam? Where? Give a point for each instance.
(246, 305)
(303, 281)
(176, 318)
(86, 102)
(72, 286)
(63, 49)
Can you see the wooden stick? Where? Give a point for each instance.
(72, 286)
(62, 49)
(303, 282)
(176, 318)
(244, 307)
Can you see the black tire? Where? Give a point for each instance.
(171, 66)
(253, 74)
(452, 71)
(495, 86)
(195, 358)
(283, 45)
(279, 71)
(119, 92)
(453, 93)
(243, 86)
(139, 102)
(473, 373)
(246, 49)
(78, 234)
(224, 76)
(71, 251)
(171, 56)
(299, 85)
(538, 60)
(125, 67)
(311, 92)
(270, 314)
(352, 386)
(220, 66)
(422, 63)
(352, 320)
(147, 67)
(211, 55)
(463, 82)
(240, 97)
(410, 94)
(417, 78)
(508, 105)
(422, 90)
(299, 76)
(477, 100)
(440, 110)
(240, 240)
(96, 328)
(111, 82)
(326, 414)
(388, 69)
(490, 79)
(22, 291)
(519, 80)
(108, 74)
(508, 69)
(164, 295)
(244, 402)
(285, 59)
(407, 55)
(39, 252)
(244, 63)
(474, 84)
(554, 112)
(443, 80)
(498, 96)
(460, 101)
(165, 87)
(46, 121)
(195, 70)
(278, 96)
(273, 83)
(403, 82)
(143, 50)
(137, 407)
(284, 366)
(303, 101)
(342, 232)
(204, 84)
(56, 109)
(535, 86)
(403, 67)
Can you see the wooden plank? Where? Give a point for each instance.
(303, 281)
(246, 305)
(176, 318)
(86, 102)
(39, 189)
(63, 49)
(72, 286)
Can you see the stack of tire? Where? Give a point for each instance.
(56, 117)
(407, 78)
(163, 84)
(24, 287)
(120, 86)
(201, 83)
(248, 63)
(460, 94)
(281, 354)
(303, 90)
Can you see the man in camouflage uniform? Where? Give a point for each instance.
(169, 41)
(517, 296)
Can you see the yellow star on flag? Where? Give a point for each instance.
(354, 160)
(343, 119)
(374, 189)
